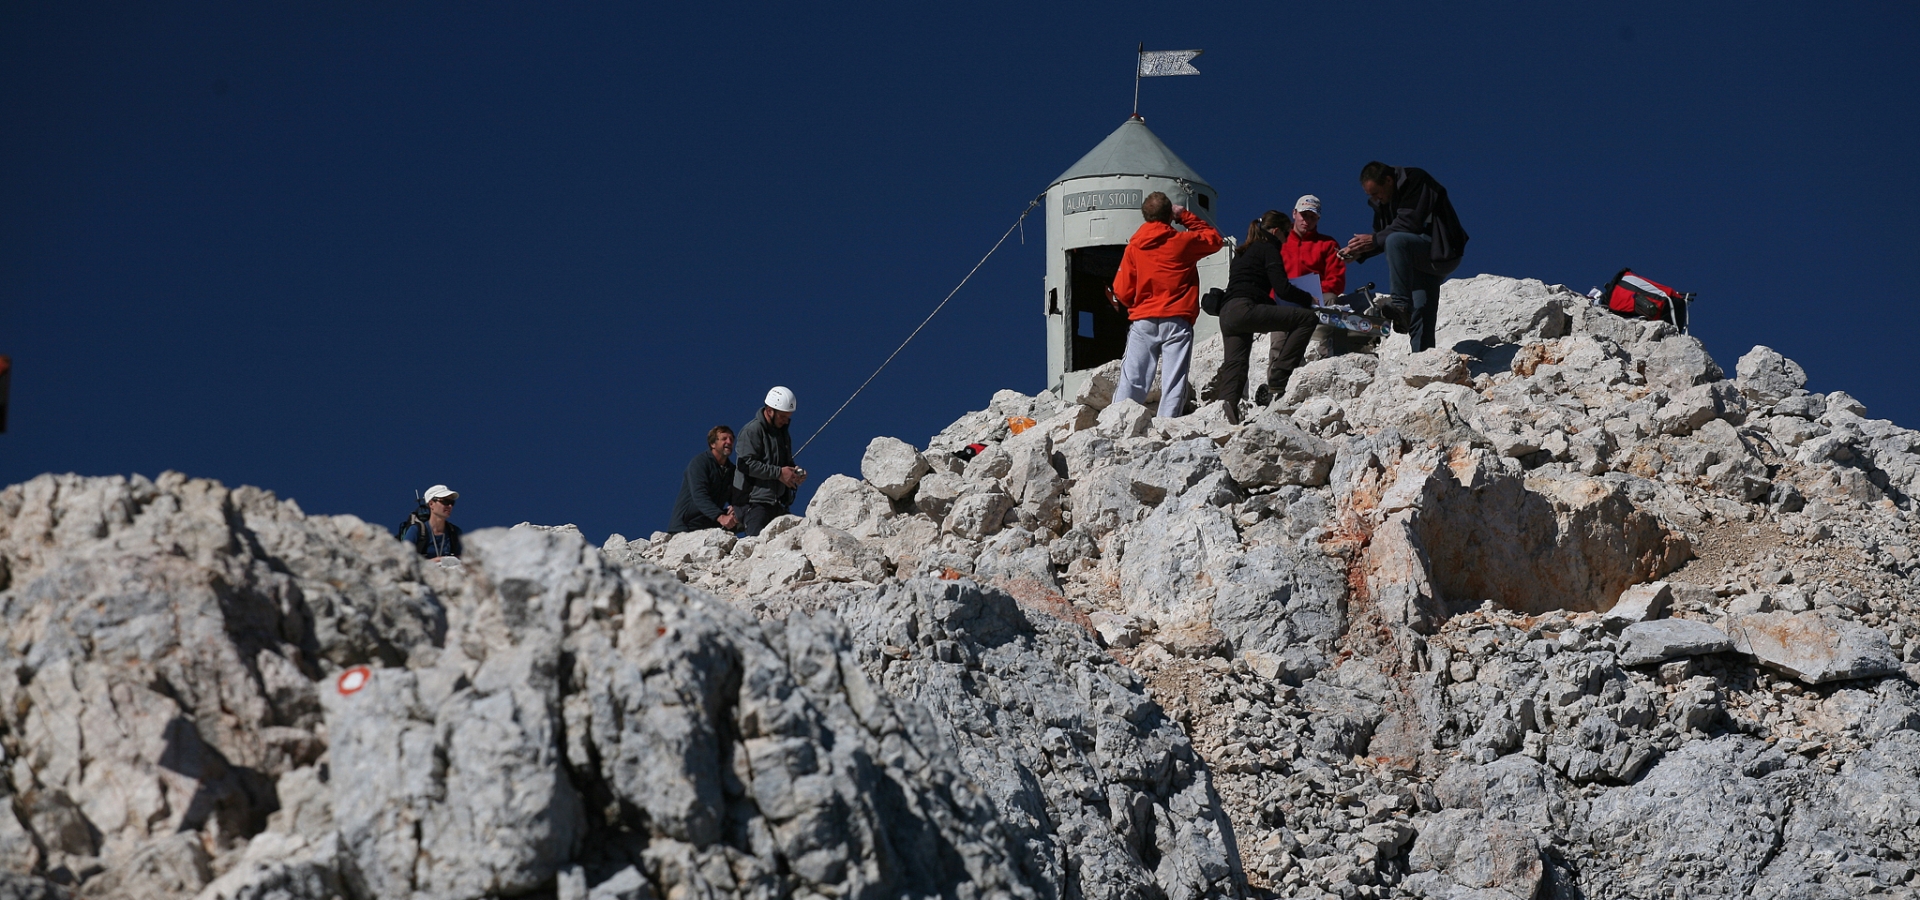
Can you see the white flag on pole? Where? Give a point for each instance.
(1168, 62)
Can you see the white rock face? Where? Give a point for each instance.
(893, 466)
(1273, 450)
(1766, 377)
(1813, 648)
(849, 504)
(1471, 622)
(1651, 642)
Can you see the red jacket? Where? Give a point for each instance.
(1158, 278)
(1316, 255)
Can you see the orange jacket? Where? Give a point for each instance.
(1157, 277)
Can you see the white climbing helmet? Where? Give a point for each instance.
(781, 399)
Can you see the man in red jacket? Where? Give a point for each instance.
(1158, 287)
(1305, 251)
(1308, 252)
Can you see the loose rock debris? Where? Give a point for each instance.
(1557, 610)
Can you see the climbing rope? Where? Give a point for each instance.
(923, 322)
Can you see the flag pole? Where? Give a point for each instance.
(1136, 76)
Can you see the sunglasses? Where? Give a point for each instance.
(447, 500)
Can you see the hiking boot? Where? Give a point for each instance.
(1232, 408)
(1263, 395)
(1397, 312)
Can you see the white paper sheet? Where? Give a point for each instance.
(1310, 283)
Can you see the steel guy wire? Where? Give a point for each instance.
(923, 323)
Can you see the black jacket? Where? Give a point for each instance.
(1419, 206)
(763, 451)
(1257, 271)
(703, 495)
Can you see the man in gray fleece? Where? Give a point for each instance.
(766, 473)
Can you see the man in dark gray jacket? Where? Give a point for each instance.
(1415, 226)
(766, 473)
(705, 489)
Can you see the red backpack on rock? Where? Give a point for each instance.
(1637, 296)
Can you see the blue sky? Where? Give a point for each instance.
(346, 251)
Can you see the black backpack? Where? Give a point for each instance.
(1212, 300)
(417, 517)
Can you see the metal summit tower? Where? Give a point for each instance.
(1092, 209)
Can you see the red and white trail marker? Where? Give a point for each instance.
(354, 679)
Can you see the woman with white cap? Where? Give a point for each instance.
(436, 538)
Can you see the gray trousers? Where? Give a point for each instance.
(1171, 342)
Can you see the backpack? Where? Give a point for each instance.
(423, 539)
(1635, 296)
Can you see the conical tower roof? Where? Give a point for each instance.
(1132, 149)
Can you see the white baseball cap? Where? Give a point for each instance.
(1307, 202)
(781, 399)
(441, 490)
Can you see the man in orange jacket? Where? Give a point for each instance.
(1158, 287)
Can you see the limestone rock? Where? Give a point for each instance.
(1737, 802)
(1695, 406)
(1460, 528)
(1167, 551)
(704, 546)
(1086, 771)
(1125, 419)
(1097, 390)
(937, 493)
(1443, 672)
(151, 627)
(1766, 377)
(1429, 366)
(1641, 603)
(276, 865)
(979, 515)
(893, 466)
(1676, 362)
(1841, 401)
(1813, 647)
(1496, 309)
(1033, 483)
(1273, 450)
(1334, 378)
(459, 790)
(1459, 850)
(1642, 643)
(849, 504)
(836, 555)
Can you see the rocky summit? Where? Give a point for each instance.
(1563, 609)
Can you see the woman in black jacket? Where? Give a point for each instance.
(1257, 276)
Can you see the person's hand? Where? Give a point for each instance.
(1179, 210)
(1360, 245)
(1114, 301)
(791, 476)
(727, 520)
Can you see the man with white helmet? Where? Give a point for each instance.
(766, 473)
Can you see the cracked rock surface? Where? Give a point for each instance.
(1564, 608)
